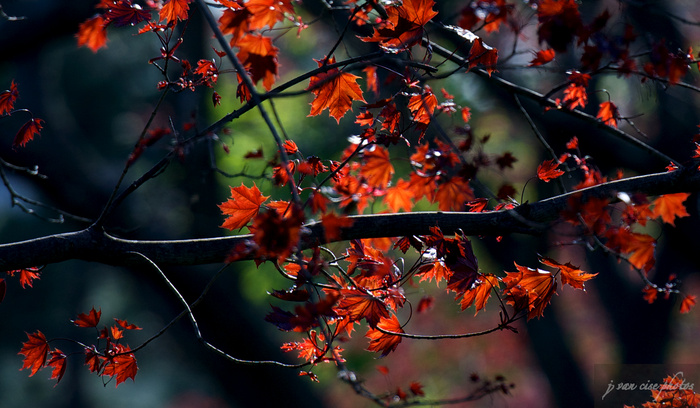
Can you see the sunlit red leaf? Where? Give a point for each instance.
(542, 57)
(90, 319)
(58, 362)
(359, 304)
(27, 132)
(35, 351)
(174, 10)
(377, 168)
(259, 57)
(277, 237)
(267, 12)
(608, 114)
(575, 94)
(8, 98)
(436, 270)
(382, 342)
(529, 289)
(570, 274)
(479, 292)
(484, 55)
(243, 205)
(334, 90)
(399, 197)
(92, 33)
(547, 171)
(372, 80)
(404, 25)
(670, 206)
(26, 276)
(236, 23)
(416, 388)
(453, 194)
(123, 365)
(687, 303)
(423, 106)
(124, 324)
(290, 147)
(123, 13)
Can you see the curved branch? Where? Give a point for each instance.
(96, 245)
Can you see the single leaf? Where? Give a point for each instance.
(267, 12)
(174, 10)
(670, 206)
(547, 171)
(416, 389)
(404, 26)
(575, 94)
(243, 205)
(422, 106)
(570, 275)
(542, 57)
(93, 359)
(399, 197)
(479, 292)
(58, 362)
(484, 55)
(529, 289)
(122, 365)
(436, 270)
(122, 13)
(290, 147)
(27, 132)
(35, 351)
(334, 90)
(259, 57)
(124, 324)
(608, 114)
(687, 303)
(91, 319)
(27, 276)
(377, 168)
(92, 33)
(425, 304)
(452, 194)
(8, 98)
(372, 80)
(357, 304)
(277, 237)
(382, 342)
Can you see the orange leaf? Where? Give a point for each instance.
(608, 114)
(641, 246)
(548, 171)
(243, 205)
(124, 324)
(26, 276)
(399, 196)
(422, 106)
(92, 33)
(575, 94)
(35, 351)
(404, 25)
(479, 292)
(58, 362)
(357, 304)
(670, 206)
(335, 91)
(91, 319)
(372, 80)
(687, 303)
(267, 12)
(482, 54)
(529, 289)
(275, 236)
(382, 342)
(377, 168)
(453, 194)
(8, 98)
(27, 132)
(173, 10)
(570, 275)
(436, 270)
(542, 57)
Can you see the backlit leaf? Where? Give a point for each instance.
(27, 132)
(259, 57)
(377, 168)
(359, 304)
(670, 206)
(687, 303)
(479, 292)
(35, 351)
(123, 13)
(58, 362)
(8, 98)
(122, 365)
(608, 114)
(243, 205)
(92, 33)
(174, 10)
(399, 197)
(542, 57)
(382, 342)
(547, 171)
(570, 275)
(334, 90)
(90, 319)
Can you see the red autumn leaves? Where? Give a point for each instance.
(7, 107)
(113, 360)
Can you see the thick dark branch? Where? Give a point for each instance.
(94, 245)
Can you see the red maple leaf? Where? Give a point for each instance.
(334, 90)
(452, 194)
(27, 132)
(482, 54)
(26, 276)
(259, 57)
(243, 205)
(422, 106)
(687, 303)
(126, 325)
(404, 26)
(559, 23)
(357, 304)
(277, 237)
(382, 342)
(236, 23)
(670, 206)
(91, 319)
(58, 362)
(121, 364)
(479, 292)
(267, 12)
(35, 351)
(548, 171)
(173, 10)
(372, 80)
(575, 94)
(377, 168)
(608, 114)
(570, 274)
(8, 98)
(542, 57)
(529, 289)
(399, 196)
(123, 13)
(93, 33)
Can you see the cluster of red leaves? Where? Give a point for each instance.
(113, 360)
(404, 25)
(675, 391)
(30, 129)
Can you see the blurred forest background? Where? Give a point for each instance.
(95, 105)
